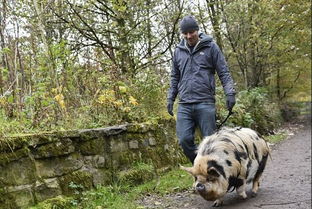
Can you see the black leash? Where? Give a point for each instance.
(221, 124)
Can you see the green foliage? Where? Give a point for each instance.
(15, 125)
(253, 109)
(275, 138)
(100, 99)
(71, 70)
(58, 202)
(268, 44)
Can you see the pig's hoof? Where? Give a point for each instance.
(217, 203)
(253, 194)
(243, 195)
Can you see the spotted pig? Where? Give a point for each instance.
(229, 159)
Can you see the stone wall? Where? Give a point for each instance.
(37, 167)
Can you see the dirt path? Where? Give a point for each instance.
(286, 182)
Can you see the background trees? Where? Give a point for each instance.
(73, 64)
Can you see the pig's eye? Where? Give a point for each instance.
(210, 178)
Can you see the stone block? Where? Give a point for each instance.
(141, 127)
(118, 146)
(92, 147)
(133, 144)
(100, 132)
(18, 172)
(99, 161)
(54, 167)
(39, 139)
(145, 143)
(96, 161)
(21, 195)
(60, 148)
(76, 182)
(49, 188)
(152, 141)
(7, 157)
(101, 176)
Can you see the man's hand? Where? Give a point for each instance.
(170, 108)
(230, 102)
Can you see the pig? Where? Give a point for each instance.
(229, 159)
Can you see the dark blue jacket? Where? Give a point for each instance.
(193, 73)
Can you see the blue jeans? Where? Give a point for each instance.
(190, 116)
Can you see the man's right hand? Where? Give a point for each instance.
(170, 108)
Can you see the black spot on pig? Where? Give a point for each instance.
(247, 150)
(234, 182)
(256, 152)
(240, 155)
(229, 163)
(261, 166)
(227, 140)
(207, 151)
(248, 168)
(219, 168)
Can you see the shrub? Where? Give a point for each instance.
(253, 109)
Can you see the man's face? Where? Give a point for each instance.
(191, 37)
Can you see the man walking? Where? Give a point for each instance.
(196, 60)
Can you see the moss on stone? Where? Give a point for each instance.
(92, 147)
(20, 172)
(9, 144)
(18, 141)
(13, 156)
(6, 200)
(62, 147)
(76, 182)
(137, 174)
(102, 176)
(141, 127)
(122, 160)
(56, 202)
(58, 166)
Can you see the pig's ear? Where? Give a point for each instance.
(188, 169)
(213, 172)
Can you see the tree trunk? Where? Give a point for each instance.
(4, 62)
(213, 8)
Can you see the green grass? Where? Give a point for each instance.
(121, 196)
(275, 138)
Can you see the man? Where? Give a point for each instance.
(196, 60)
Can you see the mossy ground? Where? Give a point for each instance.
(123, 195)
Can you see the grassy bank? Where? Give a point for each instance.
(120, 196)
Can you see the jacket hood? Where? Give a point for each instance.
(203, 38)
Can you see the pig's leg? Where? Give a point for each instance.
(255, 187)
(241, 191)
(256, 180)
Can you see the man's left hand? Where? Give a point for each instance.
(230, 102)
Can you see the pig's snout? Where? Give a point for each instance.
(200, 187)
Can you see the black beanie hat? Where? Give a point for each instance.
(188, 23)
